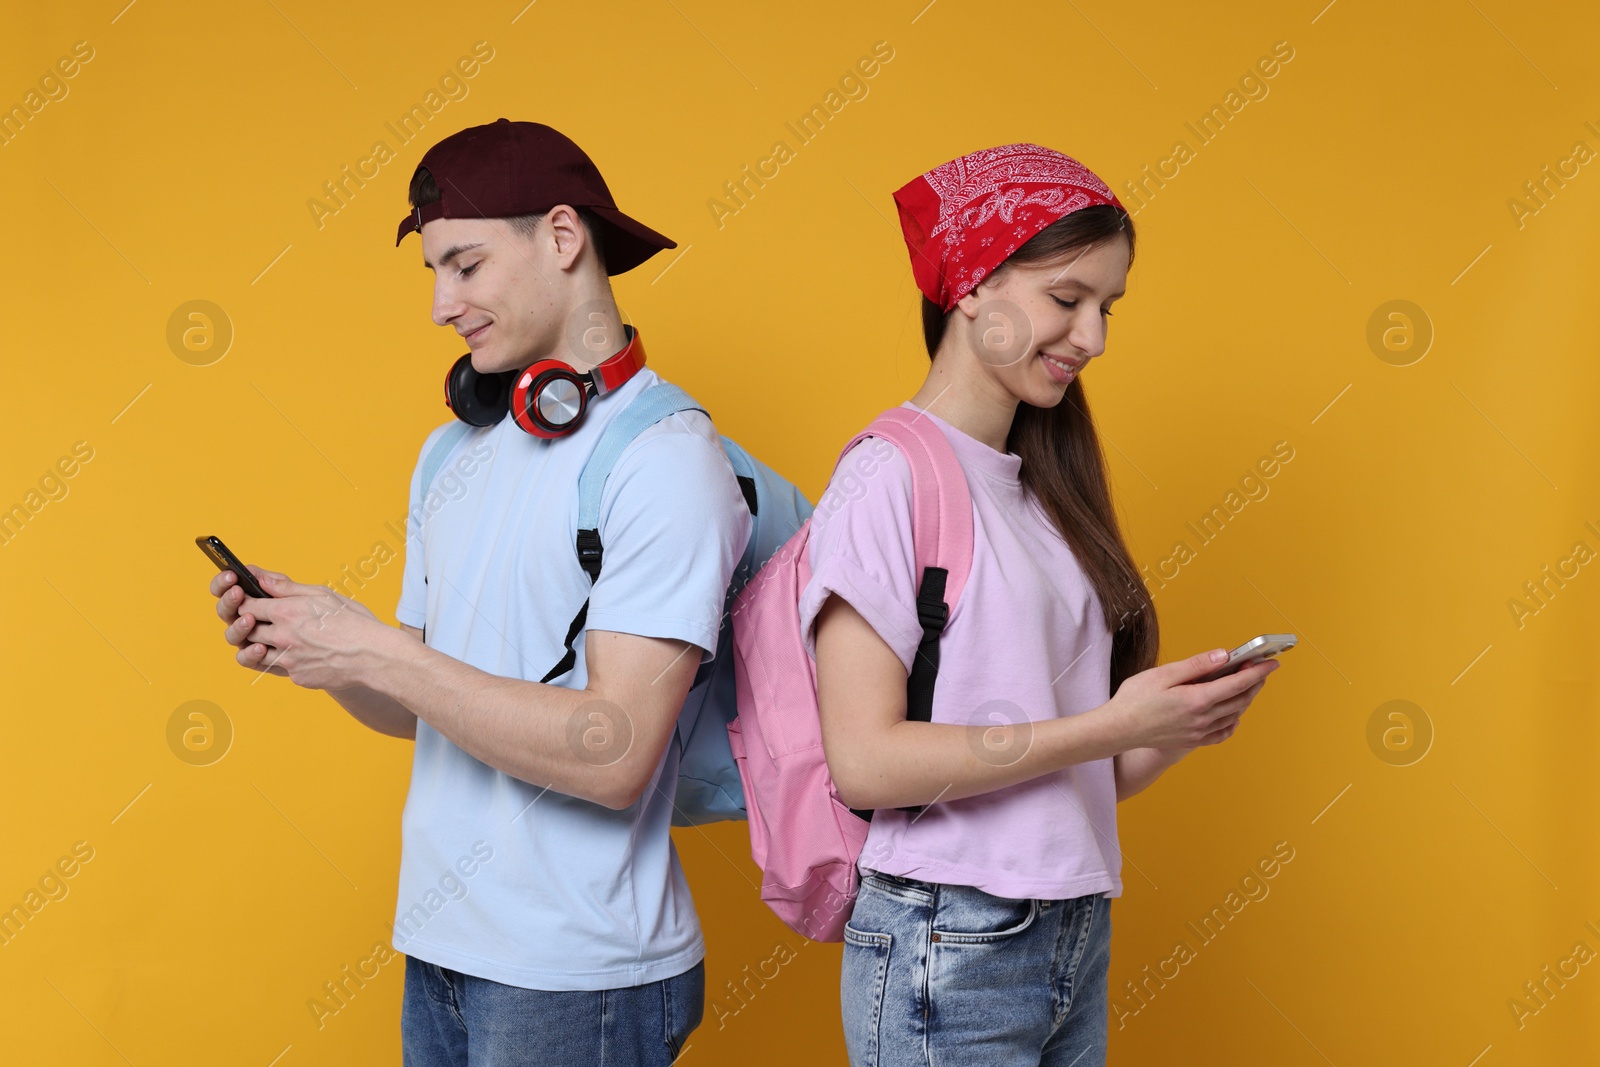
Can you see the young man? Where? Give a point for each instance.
(542, 907)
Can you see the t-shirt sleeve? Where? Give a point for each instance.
(860, 548)
(673, 524)
(412, 609)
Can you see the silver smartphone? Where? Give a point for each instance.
(1252, 651)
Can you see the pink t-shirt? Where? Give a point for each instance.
(1026, 642)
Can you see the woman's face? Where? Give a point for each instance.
(1033, 327)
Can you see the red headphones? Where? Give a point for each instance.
(547, 399)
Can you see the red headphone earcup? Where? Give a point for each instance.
(548, 399)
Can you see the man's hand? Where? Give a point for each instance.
(307, 633)
(225, 587)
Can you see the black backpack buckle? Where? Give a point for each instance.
(590, 553)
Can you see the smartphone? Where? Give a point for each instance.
(218, 553)
(1252, 651)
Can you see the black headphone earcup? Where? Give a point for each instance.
(477, 399)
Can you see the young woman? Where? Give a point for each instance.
(982, 930)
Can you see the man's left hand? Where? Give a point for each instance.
(318, 636)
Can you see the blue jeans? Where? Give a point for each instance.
(450, 1019)
(940, 974)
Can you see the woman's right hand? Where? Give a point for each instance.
(1163, 707)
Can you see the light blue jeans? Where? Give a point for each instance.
(941, 975)
(450, 1019)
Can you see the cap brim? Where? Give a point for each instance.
(628, 242)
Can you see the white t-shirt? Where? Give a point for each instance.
(499, 878)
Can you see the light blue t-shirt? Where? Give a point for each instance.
(499, 878)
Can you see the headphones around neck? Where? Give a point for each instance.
(547, 399)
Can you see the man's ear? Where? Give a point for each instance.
(567, 230)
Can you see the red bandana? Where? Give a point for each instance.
(963, 218)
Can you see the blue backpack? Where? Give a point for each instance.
(709, 789)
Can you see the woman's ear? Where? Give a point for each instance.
(979, 295)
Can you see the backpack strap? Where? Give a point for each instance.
(439, 453)
(744, 472)
(941, 537)
(430, 470)
(647, 409)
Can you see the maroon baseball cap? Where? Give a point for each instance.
(507, 168)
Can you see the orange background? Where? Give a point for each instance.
(1428, 482)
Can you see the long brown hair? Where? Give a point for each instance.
(1063, 465)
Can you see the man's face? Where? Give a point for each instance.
(494, 288)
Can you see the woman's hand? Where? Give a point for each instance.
(1165, 708)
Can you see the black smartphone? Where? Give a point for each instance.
(1252, 651)
(218, 553)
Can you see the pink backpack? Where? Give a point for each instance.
(805, 841)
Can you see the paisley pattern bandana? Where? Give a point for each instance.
(963, 218)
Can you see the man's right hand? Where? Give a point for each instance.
(225, 587)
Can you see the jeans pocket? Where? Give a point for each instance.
(683, 1001)
(862, 978)
(899, 886)
(968, 916)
